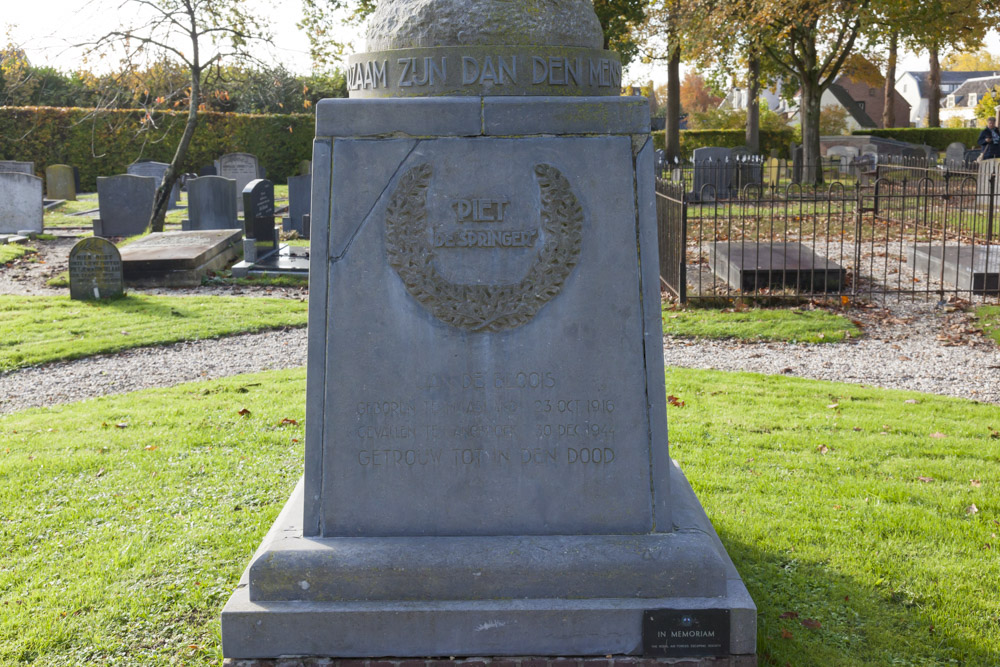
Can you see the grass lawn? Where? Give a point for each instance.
(782, 324)
(13, 251)
(864, 521)
(988, 318)
(39, 329)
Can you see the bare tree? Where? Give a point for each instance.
(198, 34)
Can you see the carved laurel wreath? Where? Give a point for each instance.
(482, 308)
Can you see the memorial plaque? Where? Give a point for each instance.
(95, 270)
(680, 633)
(242, 168)
(20, 202)
(258, 216)
(59, 182)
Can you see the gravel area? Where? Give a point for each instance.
(63, 382)
(918, 345)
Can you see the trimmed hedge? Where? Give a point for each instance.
(692, 139)
(935, 137)
(104, 143)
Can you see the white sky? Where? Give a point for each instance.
(47, 29)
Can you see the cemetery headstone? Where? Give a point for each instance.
(299, 196)
(797, 163)
(21, 167)
(125, 203)
(954, 155)
(60, 182)
(95, 270)
(211, 204)
(971, 156)
(242, 168)
(713, 172)
(845, 156)
(208, 170)
(20, 202)
(156, 171)
(773, 172)
(486, 461)
(258, 216)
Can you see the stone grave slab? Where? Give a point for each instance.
(125, 203)
(21, 167)
(95, 270)
(156, 171)
(299, 202)
(60, 182)
(211, 204)
(972, 268)
(20, 203)
(242, 168)
(749, 266)
(179, 259)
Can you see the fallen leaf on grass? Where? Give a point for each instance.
(994, 434)
(911, 401)
(938, 434)
(812, 623)
(674, 401)
(121, 425)
(972, 509)
(925, 479)
(790, 614)
(286, 420)
(243, 413)
(786, 634)
(99, 472)
(833, 406)
(975, 483)
(822, 449)
(150, 448)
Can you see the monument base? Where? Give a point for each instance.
(529, 596)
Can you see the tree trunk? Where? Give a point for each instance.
(889, 106)
(170, 177)
(812, 172)
(673, 124)
(753, 103)
(934, 89)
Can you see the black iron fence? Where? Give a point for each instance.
(901, 229)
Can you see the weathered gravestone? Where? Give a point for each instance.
(21, 167)
(20, 203)
(299, 196)
(60, 182)
(954, 155)
(95, 270)
(242, 168)
(211, 204)
(487, 470)
(258, 218)
(713, 172)
(125, 203)
(156, 171)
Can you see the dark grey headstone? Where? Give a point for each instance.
(208, 170)
(20, 202)
(258, 215)
(211, 203)
(156, 171)
(299, 195)
(21, 167)
(242, 168)
(845, 156)
(95, 270)
(125, 203)
(713, 172)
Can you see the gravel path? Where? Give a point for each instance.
(63, 382)
(921, 346)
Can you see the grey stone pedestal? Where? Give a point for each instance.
(487, 469)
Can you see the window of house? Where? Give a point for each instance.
(862, 105)
(972, 100)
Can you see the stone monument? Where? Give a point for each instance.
(95, 270)
(487, 470)
(258, 218)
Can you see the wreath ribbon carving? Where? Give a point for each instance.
(474, 307)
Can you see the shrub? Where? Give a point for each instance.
(935, 137)
(692, 139)
(104, 143)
